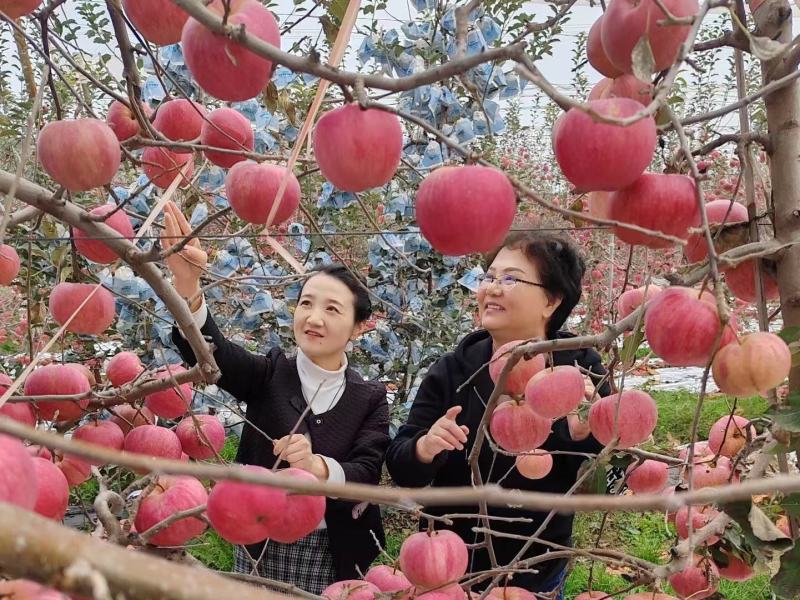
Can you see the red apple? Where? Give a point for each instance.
(647, 596)
(736, 568)
(351, 589)
(521, 373)
(701, 516)
(75, 470)
(556, 392)
(15, 9)
(226, 128)
(700, 579)
(599, 156)
(594, 50)
(122, 121)
(158, 21)
(728, 435)
(58, 380)
(649, 477)
(123, 368)
(302, 514)
(387, 578)
(717, 211)
(21, 412)
(9, 264)
(465, 209)
(162, 166)
(758, 363)
(638, 415)
(94, 318)
(647, 200)
(101, 433)
(599, 204)
(534, 466)
(52, 490)
(171, 495)
(39, 451)
(220, 65)
(624, 86)
(432, 559)
(25, 589)
(171, 402)
(358, 149)
(242, 513)
(252, 189)
(627, 21)
(632, 299)
(128, 417)
(180, 120)
(511, 593)
(152, 440)
(516, 428)
(681, 325)
(741, 281)
(17, 474)
(201, 436)
(79, 154)
(97, 250)
(711, 473)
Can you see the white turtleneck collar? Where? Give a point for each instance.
(329, 383)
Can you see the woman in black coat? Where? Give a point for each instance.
(531, 285)
(343, 420)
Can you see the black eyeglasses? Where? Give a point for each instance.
(505, 281)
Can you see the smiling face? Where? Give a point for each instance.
(518, 312)
(324, 320)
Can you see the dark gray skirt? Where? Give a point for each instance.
(306, 563)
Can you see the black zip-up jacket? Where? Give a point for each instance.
(355, 432)
(435, 396)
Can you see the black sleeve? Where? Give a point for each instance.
(431, 402)
(365, 459)
(243, 373)
(594, 364)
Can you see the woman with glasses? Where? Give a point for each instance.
(531, 285)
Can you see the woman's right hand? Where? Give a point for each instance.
(188, 264)
(444, 434)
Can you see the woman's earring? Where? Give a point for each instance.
(349, 346)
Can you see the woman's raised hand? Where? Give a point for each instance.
(188, 264)
(444, 434)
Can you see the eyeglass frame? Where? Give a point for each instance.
(487, 279)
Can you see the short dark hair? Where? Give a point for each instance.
(560, 266)
(361, 301)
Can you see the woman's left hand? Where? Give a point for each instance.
(296, 450)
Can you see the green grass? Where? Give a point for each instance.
(676, 412)
(213, 551)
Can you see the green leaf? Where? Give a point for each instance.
(631, 345)
(328, 27)
(764, 538)
(794, 398)
(790, 334)
(787, 417)
(596, 482)
(337, 9)
(791, 504)
(787, 580)
(642, 60)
